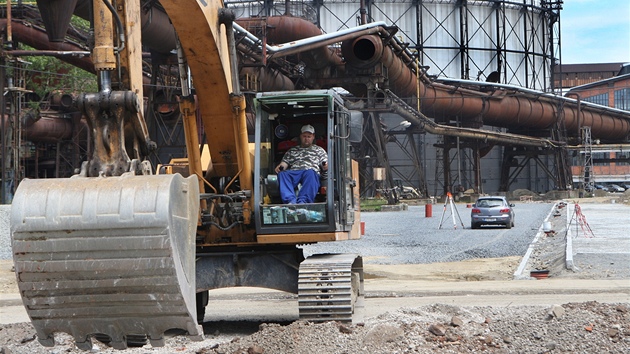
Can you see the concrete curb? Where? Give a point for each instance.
(518, 274)
(568, 252)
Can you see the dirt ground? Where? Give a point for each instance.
(470, 270)
(470, 306)
(7, 277)
(460, 307)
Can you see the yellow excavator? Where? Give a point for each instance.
(123, 254)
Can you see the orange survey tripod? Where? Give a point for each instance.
(449, 201)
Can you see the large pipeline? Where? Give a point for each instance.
(299, 36)
(513, 108)
(38, 39)
(46, 127)
(420, 120)
(516, 108)
(287, 29)
(271, 80)
(504, 107)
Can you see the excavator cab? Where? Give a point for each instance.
(279, 117)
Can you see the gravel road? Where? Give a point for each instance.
(408, 237)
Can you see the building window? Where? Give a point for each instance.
(598, 99)
(575, 160)
(601, 158)
(622, 155)
(622, 99)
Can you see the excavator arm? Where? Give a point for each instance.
(115, 114)
(204, 43)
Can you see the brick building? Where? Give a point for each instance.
(568, 76)
(611, 162)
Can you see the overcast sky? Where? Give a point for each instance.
(595, 31)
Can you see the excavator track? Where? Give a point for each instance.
(330, 288)
(109, 256)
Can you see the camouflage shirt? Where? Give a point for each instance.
(299, 158)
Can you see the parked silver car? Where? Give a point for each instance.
(494, 210)
(616, 188)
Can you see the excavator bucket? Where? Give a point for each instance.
(111, 256)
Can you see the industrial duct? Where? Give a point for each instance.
(497, 105)
(38, 39)
(418, 119)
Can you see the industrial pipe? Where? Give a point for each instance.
(297, 33)
(502, 106)
(298, 36)
(420, 120)
(49, 129)
(38, 39)
(43, 127)
(512, 108)
(268, 78)
(515, 107)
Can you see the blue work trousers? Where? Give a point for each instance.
(289, 180)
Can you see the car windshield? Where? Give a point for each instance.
(489, 203)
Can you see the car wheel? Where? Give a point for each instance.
(508, 225)
(474, 226)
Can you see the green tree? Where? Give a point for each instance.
(47, 74)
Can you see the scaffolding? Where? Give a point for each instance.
(13, 92)
(588, 180)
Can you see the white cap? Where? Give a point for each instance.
(308, 129)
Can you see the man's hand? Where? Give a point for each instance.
(281, 167)
(325, 166)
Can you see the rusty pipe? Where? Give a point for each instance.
(363, 52)
(49, 129)
(38, 39)
(268, 79)
(285, 30)
(61, 101)
(502, 105)
(515, 107)
(158, 32)
(43, 127)
(420, 120)
(366, 51)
